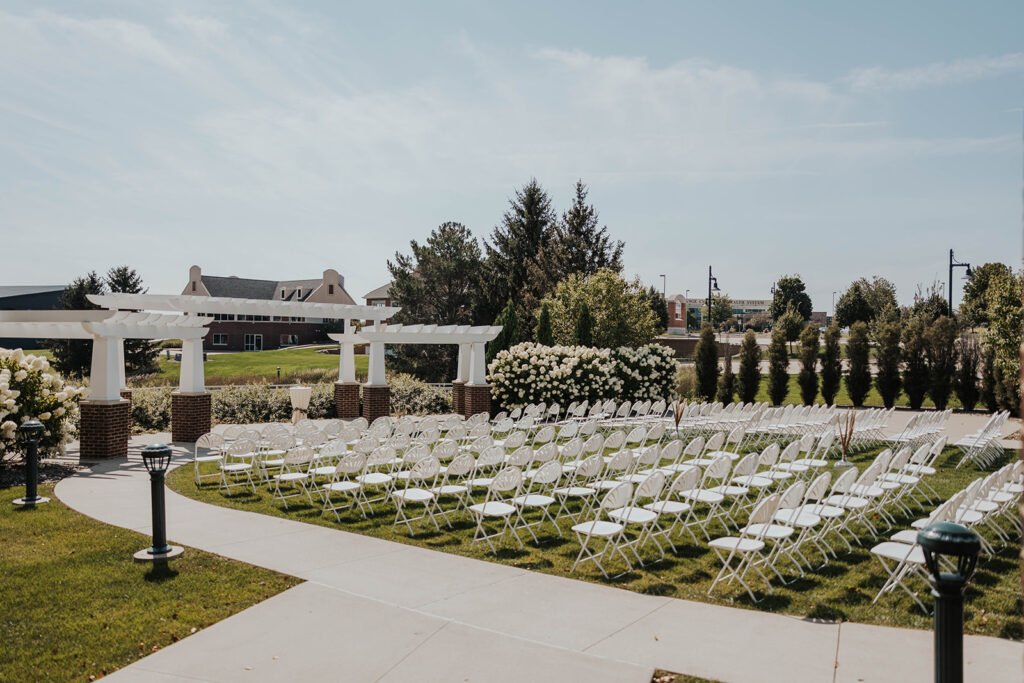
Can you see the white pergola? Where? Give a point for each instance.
(108, 330)
(471, 340)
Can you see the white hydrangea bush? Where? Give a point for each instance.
(29, 389)
(531, 373)
(647, 372)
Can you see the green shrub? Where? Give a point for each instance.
(686, 383)
(778, 368)
(151, 410)
(706, 363)
(808, 377)
(915, 364)
(410, 396)
(545, 335)
(940, 352)
(321, 402)
(966, 381)
(831, 365)
(887, 381)
(749, 378)
(858, 378)
(251, 404)
(584, 326)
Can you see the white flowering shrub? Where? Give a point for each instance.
(531, 373)
(647, 372)
(29, 389)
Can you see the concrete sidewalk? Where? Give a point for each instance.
(374, 610)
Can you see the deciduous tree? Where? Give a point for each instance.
(790, 289)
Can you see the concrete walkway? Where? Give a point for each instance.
(374, 610)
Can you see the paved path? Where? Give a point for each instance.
(374, 610)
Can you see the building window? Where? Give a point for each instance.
(298, 293)
(289, 339)
(253, 342)
(679, 310)
(330, 289)
(193, 285)
(220, 340)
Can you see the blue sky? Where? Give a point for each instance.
(259, 140)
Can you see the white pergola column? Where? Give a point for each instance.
(191, 380)
(122, 380)
(346, 362)
(478, 365)
(465, 351)
(376, 375)
(104, 377)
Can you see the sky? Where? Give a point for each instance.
(829, 140)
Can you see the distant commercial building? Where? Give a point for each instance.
(28, 298)
(229, 332)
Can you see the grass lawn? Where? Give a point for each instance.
(261, 366)
(842, 590)
(75, 605)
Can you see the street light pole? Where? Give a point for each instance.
(954, 264)
(711, 279)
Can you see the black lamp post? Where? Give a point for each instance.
(954, 264)
(960, 546)
(156, 458)
(30, 432)
(712, 280)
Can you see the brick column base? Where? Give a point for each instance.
(103, 429)
(477, 399)
(190, 416)
(376, 401)
(458, 397)
(126, 394)
(346, 399)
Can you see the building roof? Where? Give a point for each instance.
(24, 290)
(249, 288)
(382, 292)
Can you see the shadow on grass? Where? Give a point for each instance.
(160, 571)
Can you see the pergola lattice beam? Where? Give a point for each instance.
(228, 305)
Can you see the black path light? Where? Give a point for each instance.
(959, 546)
(30, 433)
(156, 458)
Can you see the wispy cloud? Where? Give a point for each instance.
(880, 79)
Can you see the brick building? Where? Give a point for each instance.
(379, 297)
(230, 332)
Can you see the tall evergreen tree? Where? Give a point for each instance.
(706, 363)
(915, 364)
(887, 381)
(73, 357)
(438, 283)
(509, 332)
(858, 378)
(940, 351)
(808, 377)
(966, 381)
(139, 354)
(727, 382)
(579, 245)
(778, 368)
(515, 269)
(545, 335)
(853, 306)
(749, 378)
(831, 365)
(584, 326)
(659, 307)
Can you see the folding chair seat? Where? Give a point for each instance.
(540, 457)
(295, 473)
(900, 560)
(237, 462)
(634, 515)
(344, 482)
(578, 486)
(671, 507)
(487, 465)
(376, 473)
(614, 467)
(714, 475)
(711, 451)
(209, 448)
(746, 549)
(684, 461)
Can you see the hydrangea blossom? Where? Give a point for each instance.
(29, 389)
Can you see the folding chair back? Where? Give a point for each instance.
(549, 452)
(694, 448)
(770, 455)
(715, 442)
(615, 440)
(570, 451)
(521, 457)
(514, 440)
(547, 474)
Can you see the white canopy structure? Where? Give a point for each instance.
(471, 341)
(108, 331)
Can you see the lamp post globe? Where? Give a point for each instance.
(949, 544)
(31, 431)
